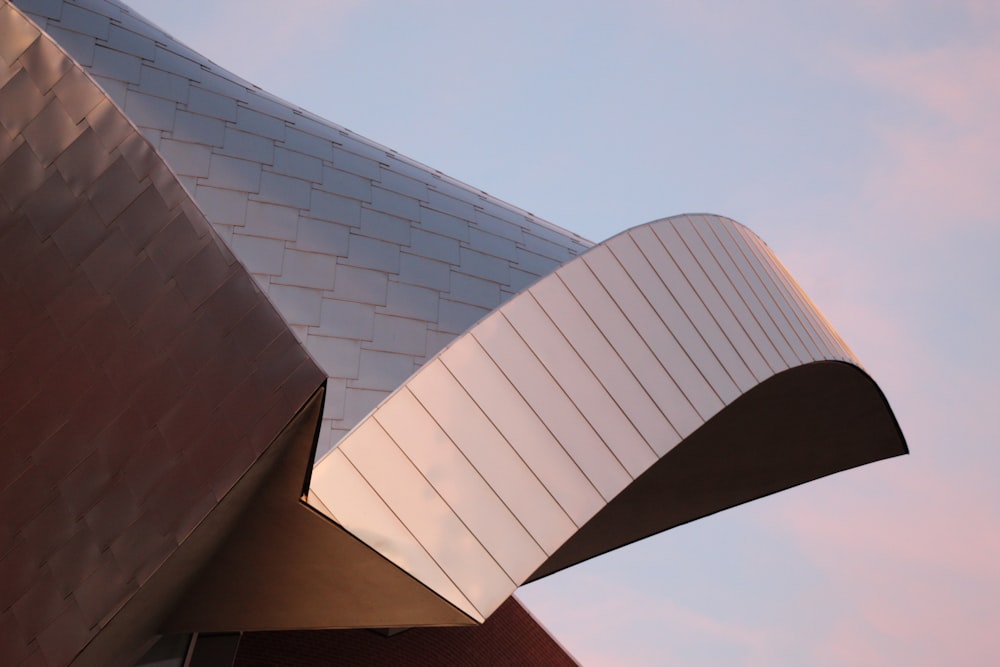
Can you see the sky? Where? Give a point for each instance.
(859, 139)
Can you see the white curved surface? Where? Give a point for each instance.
(513, 437)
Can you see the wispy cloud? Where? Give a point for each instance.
(605, 610)
(941, 138)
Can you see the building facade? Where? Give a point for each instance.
(262, 375)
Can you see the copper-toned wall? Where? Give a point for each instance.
(142, 371)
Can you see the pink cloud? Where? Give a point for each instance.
(914, 555)
(607, 613)
(938, 153)
(906, 514)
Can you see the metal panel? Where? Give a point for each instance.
(683, 413)
(411, 301)
(577, 380)
(371, 253)
(816, 325)
(327, 206)
(455, 317)
(605, 362)
(379, 370)
(485, 448)
(670, 275)
(711, 381)
(797, 337)
(398, 334)
(364, 513)
(569, 429)
(246, 146)
(346, 319)
(736, 291)
(766, 311)
(688, 278)
(710, 281)
(298, 165)
(280, 189)
(419, 506)
(307, 269)
(384, 226)
(321, 236)
(461, 486)
(512, 415)
(804, 329)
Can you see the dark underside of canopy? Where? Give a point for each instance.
(800, 425)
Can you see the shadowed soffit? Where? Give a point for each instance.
(284, 566)
(803, 424)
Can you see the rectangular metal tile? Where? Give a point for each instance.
(307, 269)
(734, 372)
(604, 360)
(298, 305)
(445, 204)
(475, 291)
(335, 208)
(404, 185)
(428, 517)
(298, 165)
(116, 64)
(394, 203)
(460, 485)
(399, 335)
(364, 252)
(444, 224)
(412, 301)
(271, 220)
(384, 227)
(361, 285)
(348, 161)
(457, 317)
(347, 184)
(186, 158)
(309, 144)
(512, 415)
(665, 390)
(208, 103)
(485, 266)
(347, 319)
(383, 370)
(368, 516)
(259, 255)
(199, 129)
(423, 272)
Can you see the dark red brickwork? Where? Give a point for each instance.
(511, 636)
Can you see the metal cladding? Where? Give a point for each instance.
(500, 398)
(376, 261)
(494, 455)
(143, 370)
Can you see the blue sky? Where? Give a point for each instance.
(858, 139)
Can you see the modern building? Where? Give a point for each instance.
(266, 386)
